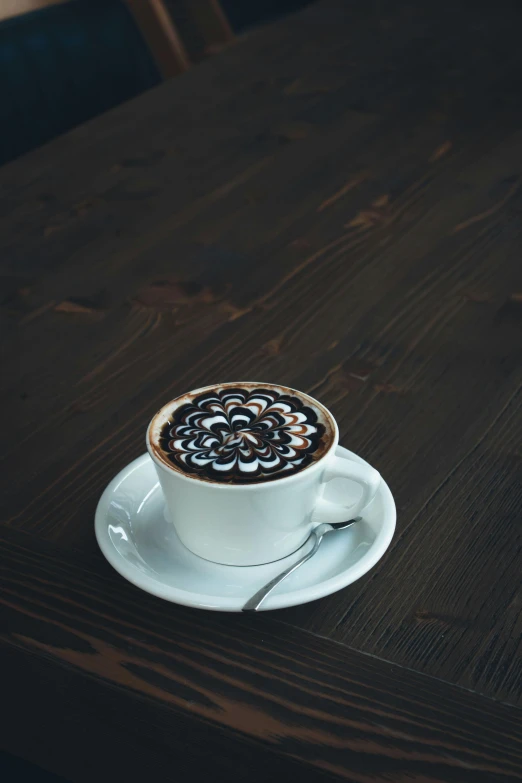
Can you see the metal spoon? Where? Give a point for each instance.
(253, 604)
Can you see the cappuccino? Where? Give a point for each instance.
(241, 433)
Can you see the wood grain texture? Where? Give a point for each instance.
(337, 208)
(299, 703)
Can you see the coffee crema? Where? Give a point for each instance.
(244, 434)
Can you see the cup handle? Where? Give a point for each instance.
(341, 467)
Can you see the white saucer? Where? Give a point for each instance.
(142, 546)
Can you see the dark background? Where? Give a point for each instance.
(67, 63)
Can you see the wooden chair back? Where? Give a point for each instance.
(155, 20)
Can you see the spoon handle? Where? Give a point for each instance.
(253, 604)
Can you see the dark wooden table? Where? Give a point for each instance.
(334, 204)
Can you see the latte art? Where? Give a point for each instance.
(240, 435)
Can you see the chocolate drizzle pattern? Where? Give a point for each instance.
(241, 435)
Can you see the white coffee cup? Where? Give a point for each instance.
(247, 524)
